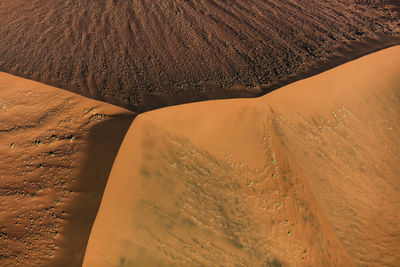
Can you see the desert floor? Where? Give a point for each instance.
(148, 54)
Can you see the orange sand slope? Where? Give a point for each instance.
(305, 176)
(56, 149)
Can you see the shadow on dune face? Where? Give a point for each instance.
(104, 141)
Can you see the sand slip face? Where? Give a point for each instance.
(206, 185)
(305, 176)
(346, 141)
(56, 151)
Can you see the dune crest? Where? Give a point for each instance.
(305, 176)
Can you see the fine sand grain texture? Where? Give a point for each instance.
(56, 152)
(147, 54)
(305, 176)
(345, 139)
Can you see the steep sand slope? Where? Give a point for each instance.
(56, 152)
(347, 144)
(144, 54)
(305, 176)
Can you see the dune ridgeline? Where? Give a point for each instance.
(307, 175)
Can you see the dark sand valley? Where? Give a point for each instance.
(147, 54)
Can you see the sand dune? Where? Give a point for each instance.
(148, 54)
(57, 149)
(305, 176)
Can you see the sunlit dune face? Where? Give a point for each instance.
(304, 176)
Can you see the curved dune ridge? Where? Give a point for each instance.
(57, 149)
(307, 175)
(147, 54)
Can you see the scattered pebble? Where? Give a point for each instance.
(71, 138)
(37, 142)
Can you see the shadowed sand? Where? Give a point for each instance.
(57, 149)
(148, 54)
(305, 176)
